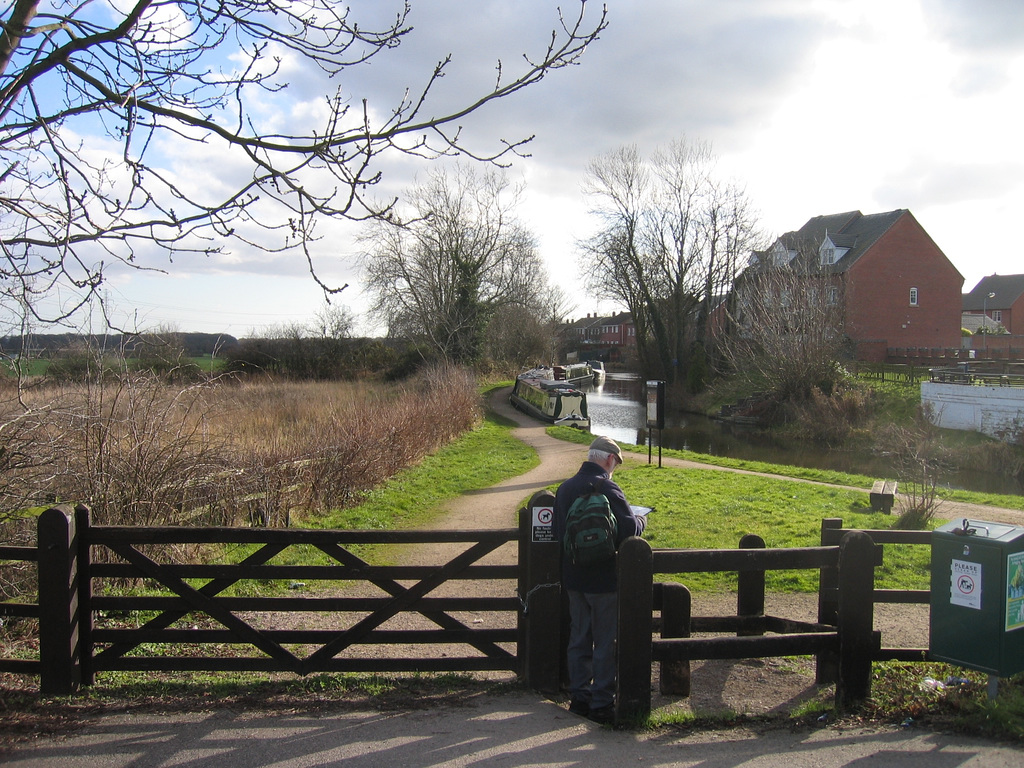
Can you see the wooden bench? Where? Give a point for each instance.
(882, 494)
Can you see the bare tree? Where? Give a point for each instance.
(789, 327)
(99, 99)
(439, 276)
(517, 339)
(668, 244)
(332, 321)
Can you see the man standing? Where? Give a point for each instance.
(593, 589)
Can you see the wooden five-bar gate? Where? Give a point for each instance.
(202, 605)
(74, 555)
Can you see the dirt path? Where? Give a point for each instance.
(559, 460)
(497, 506)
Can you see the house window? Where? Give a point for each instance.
(913, 297)
(997, 315)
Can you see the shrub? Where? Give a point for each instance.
(829, 419)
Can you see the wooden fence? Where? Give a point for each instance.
(74, 556)
(850, 639)
(75, 559)
(832, 532)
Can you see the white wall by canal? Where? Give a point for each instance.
(995, 411)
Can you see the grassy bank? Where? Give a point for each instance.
(803, 473)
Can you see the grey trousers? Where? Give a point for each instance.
(591, 653)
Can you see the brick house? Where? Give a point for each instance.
(896, 287)
(611, 338)
(1001, 298)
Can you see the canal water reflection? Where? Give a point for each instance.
(616, 409)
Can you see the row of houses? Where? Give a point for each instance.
(896, 288)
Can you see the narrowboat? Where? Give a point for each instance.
(538, 394)
(571, 373)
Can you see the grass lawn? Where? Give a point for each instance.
(711, 509)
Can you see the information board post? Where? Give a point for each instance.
(655, 415)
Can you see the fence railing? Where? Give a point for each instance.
(832, 532)
(850, 640)
(971, 376)
(19, 609)
(201, 604)
(220, 618)
(908, 374)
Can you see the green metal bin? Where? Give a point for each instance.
(977, 596)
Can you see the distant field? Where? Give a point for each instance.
(38, 366)
(32, 367)
(208, 363)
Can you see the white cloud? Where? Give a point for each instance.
(818, 106)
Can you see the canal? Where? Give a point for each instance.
(617, 409)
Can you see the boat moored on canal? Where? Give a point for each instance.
(537, 393)
(571, 373)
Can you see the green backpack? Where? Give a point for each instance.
(591, 530)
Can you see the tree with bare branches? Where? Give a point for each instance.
(440, 274)
(668, 246)
(787, 333)
(106, 106)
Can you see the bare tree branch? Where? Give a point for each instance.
(97, 99)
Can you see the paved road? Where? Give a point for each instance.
(517, 729)
(520, 729)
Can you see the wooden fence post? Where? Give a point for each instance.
(83, 519)
(59, 648)
(827, 662)
(539, 626)
(676, 612)
(856, 615)
(635, 607)
(750, 587)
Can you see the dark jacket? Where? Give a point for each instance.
(593, 578)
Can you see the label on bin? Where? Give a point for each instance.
(965, 584)
(1015, 591)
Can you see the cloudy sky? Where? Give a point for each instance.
(815, 106)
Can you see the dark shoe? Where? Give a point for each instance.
(579, 707)
(603, 716)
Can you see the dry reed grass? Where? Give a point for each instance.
(140, 452)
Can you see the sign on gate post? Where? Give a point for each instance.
(540, 640)
(543, 523)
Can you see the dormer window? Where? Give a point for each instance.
(781, 255)
(827, 252)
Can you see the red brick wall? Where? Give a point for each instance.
(872, 351)
(878, 291)
(1012, 317)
